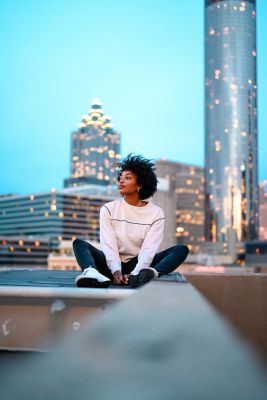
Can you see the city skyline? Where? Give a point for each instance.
(134, 57)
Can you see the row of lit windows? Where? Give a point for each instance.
(188, 218)
(92, 166)
(100, 149)
(20, 242)
(96, 133)
(218, 146)
(188, 191)
(186, 202)
(68, 232)
(242, 134)
(86, 152)
(16, 211)
(192, 222)
(99, 175)
(79, 169)
(46, 223)
(226, 131)
(188, 211)
(67, 213)
(227, 96)
(233, 98)
(95, 157)
(235, 120)
(97, 123)
(186, 234)
(217, 74)
(90, 171)
(181, 229)
(181, 232)
(27, 249)
(98, 136)
(29, 226)
(228, 169)
(60, 198)
(241, 7)
(225, 30)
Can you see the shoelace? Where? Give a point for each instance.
(85, 270)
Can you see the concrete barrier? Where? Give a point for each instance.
(36, 318)
(164, 342)
(242, 299)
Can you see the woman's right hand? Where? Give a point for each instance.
(118, 278)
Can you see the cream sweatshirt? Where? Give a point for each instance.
(127, 231)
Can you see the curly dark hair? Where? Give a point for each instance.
(144, 170)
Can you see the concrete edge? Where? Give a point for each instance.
(72, 293)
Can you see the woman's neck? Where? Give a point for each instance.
(133, 200)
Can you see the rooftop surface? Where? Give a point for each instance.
(60, 279)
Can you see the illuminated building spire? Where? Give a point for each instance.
(95, 148)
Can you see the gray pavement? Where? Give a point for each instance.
(56, 278)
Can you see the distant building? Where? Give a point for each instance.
(263, 210)
(62, 258)
(95, 147)
(21, 251)
(181, 195)
(231, 159)
(256, 255)
(39, 223)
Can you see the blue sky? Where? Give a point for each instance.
(144, 59)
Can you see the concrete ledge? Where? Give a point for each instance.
(166, 342)
(34, 318)
(242, 299)
(38, 307)
(21, 292)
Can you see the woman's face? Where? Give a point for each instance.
(127, 183)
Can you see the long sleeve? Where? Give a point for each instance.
(150, 245)
(108, 241)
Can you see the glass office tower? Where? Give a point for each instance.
(231, 161)
(95, 148)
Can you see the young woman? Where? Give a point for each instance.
(131, 230)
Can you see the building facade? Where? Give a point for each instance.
(95, 147)
(35, 225)
(21, 251)
(181, 195)
(231, 159)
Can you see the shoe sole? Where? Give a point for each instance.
(91, 282)
(141, 279)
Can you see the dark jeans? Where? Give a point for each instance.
(164, 262)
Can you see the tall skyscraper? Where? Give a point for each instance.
(231, 161)
(95, 148)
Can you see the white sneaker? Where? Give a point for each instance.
(90, 277)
